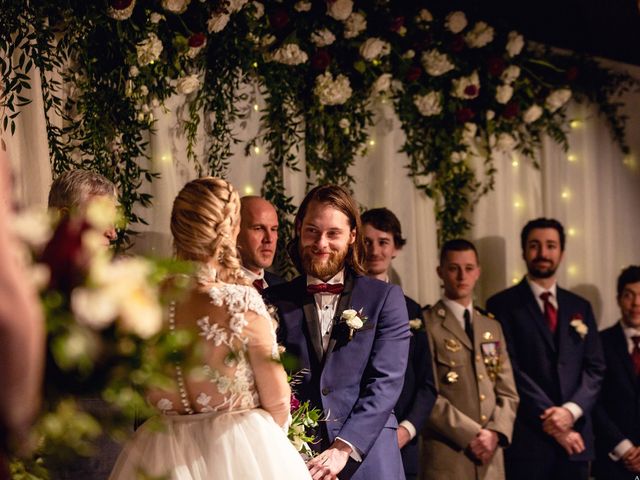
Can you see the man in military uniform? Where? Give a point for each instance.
(473, 416)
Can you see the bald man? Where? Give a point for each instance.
(257, 240)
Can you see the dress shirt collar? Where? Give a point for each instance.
(458, 310)
(628, 333)
(538, 290)
(337, 278)
(253, 276)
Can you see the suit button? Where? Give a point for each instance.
(482, 397)
(480, 376)
(326, 391)
(453, 363)
(483, 418)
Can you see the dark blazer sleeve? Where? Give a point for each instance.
(425, 394)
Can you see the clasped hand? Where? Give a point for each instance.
(329, 463)
(484, 445)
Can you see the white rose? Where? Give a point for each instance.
(456, 21)
(236, 5)
(217, 22)
(149, 49)
(121, 13)
(355, 323)
(506, 143)
(156, 17)
(374, 48)
(344, 123)
(469, 132)
(382, 84)
(409, 54)
(429, 104)
(330, 91)
(133, 71)
(175, 6)
(557, 99)
(515, 43)
(144, 90)
(466, 87)
(510, 74)
(140, 313)
(258, 10)
(424, 15)
(531, 114)
(490, 114)
(481, 35)
(95, 308)
(323, 37)
(289, 54)
(349, 314)
(504, 93)
(188, 84)
(436, 63)
(340, 9)
(354, 25)
(302, 6)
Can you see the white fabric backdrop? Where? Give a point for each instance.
(596, 195)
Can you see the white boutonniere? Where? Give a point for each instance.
(579, 326)
(415, 324)
(354, 319)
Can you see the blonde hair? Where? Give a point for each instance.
(204, 219)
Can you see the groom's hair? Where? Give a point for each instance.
(71, 189)
(340, 199)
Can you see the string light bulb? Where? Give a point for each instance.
(565, 194)
(575, 123)
(256, 107)
(572, 157)
(248, 190)
(515, 163)
(372, 142)
(572, 232)
(572, 270)
(256, 150)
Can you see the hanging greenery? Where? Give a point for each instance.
(461, 89)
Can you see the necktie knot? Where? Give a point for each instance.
(636, 341)
(258, 283)
(545, 296)
(329, 288)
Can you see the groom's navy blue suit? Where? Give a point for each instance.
(355, 382)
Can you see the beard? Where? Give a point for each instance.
(323, 270)
(536, 272)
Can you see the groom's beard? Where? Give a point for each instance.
(326, 269)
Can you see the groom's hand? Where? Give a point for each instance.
(329, 463)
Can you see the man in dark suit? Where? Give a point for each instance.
(350, 334)
(557, 361)
(257, 240)
(617, 414)
(383, 241)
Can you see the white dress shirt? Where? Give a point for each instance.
(538, 290)
(255, 276)
(458, 310)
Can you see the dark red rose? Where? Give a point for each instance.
(120, 4)
(197, 40)
(396, 24)
(471, 90)
(496, 66)
(414, 73)
(295, 403)
(572, 73)
(279, 19)
(511, 110)
(457, 44)
(320, 60)
(577, 316)
(464, 115)
(423, 43)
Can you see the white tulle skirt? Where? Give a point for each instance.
(211, 446)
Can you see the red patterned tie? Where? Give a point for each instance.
(635, 354)
(550, 312)
(259, 284)
(331, 288)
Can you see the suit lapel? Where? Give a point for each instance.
(450, 323)
(311, 318)
(344, 303)
(622, 349)
(537, 315)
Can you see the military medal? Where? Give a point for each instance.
(452, 345)
(452, 377)
(487, 336)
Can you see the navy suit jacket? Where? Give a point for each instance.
(355, 382)
(273, 279)
(418, 392)
(617, 413)
(549, 370)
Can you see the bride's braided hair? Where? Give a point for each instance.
(204, 219)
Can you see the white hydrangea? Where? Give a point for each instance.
(149, 49)
(217, 22)
(504, 93)
(436, 63)
(515, 43)
(156, 17)
(531, 114)
(481, 35)
(340, 9)
(332, 91)
(374, 48)
(469, 133)
(382, 84)
(510, 74)
(302, 6)
(456, 22)
(121, 13)
(557, 99)
(424, 15)
(175, 6)
(188, 84)
(290, 54)
(463, 87)
(429, 104)
(322, 37)
(506, 143)
(354, 25)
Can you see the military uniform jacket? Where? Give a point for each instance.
(476, 390)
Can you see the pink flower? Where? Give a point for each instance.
(295, 403)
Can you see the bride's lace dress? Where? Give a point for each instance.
(219, 420)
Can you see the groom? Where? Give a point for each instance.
(355, 368)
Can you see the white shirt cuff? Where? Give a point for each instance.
(575, 410)
(355, 454)
(618, 452)
(410, 428)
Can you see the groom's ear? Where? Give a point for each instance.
(352, 236)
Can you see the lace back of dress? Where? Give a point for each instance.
(182, 389)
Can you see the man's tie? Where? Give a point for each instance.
(331, 288)
(635, 354)
(259, 284)
(550, 312)
(467, 324)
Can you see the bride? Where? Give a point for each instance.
(225, 419)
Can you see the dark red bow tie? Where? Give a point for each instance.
(332, 288)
